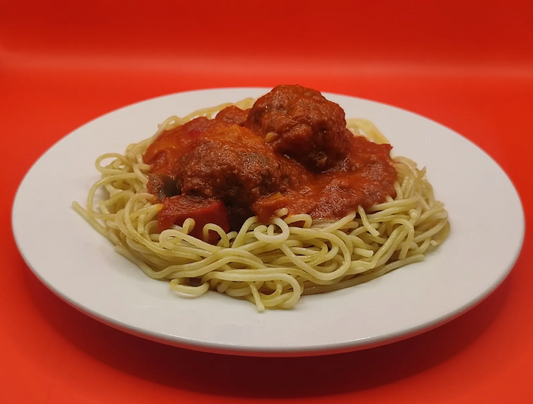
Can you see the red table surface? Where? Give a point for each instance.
(466, 64)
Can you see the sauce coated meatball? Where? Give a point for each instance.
(229, 163)
(300, 123)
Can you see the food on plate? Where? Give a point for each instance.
(266, 200)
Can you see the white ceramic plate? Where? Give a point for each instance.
(81, 267)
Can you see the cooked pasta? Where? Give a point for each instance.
(269, 264)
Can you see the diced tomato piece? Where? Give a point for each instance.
(177, 209)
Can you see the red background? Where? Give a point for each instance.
(467, 64)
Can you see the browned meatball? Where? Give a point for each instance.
(300, 123)
(229, 163)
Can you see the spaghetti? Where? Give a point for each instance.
(271, 265)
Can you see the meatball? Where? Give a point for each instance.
(300, 123)
(229, 163)
(232, 115)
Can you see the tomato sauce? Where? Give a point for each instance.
(290, 150)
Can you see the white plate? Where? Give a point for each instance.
(80, 266)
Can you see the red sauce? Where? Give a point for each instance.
(290, 150)
(364, 179)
